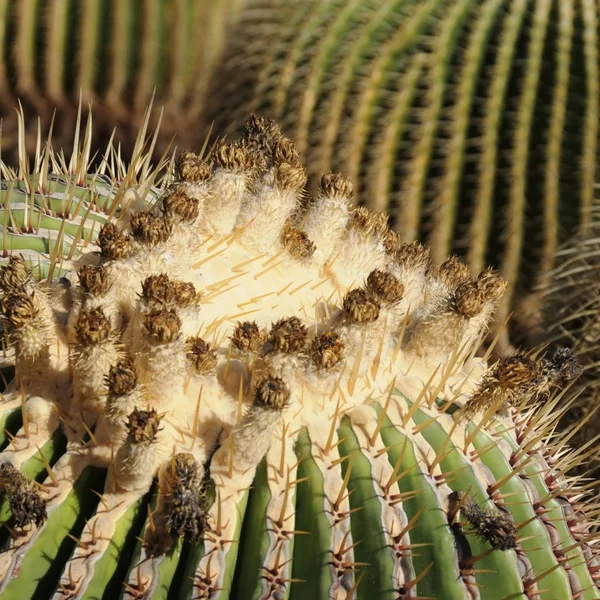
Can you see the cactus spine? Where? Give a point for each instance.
(284, 404)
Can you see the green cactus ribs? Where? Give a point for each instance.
(246, 393)
(473, 123)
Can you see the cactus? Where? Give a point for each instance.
(473, 123)
(114, 53)
(52, 207)
(247, 393)
(569, 315)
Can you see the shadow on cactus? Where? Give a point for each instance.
(246, 393)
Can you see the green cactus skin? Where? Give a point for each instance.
(114, 53)
(346, 443)
(474, 124)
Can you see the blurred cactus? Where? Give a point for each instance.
(117, 53)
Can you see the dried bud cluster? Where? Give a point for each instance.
(201, 355)
(93, 326)
(288, 335)
(232, 157)
(143, 426)
(248, 337)
(385, 286)
(518, 378)
(272, 393)
(336, 185)
(149, 229)
(94, 279)
(297, 243)
(24, 500)
(369, 222)
(18, 308)
(360, 306)
(14, 275)
(122, 378)
(180, 207)
(495, 527)
(163, 325)
(114, 244)
(414, 256)
(186, 501)
(191, 168)
(327, 350)
(452, 272)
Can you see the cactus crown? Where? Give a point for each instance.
(334, 398)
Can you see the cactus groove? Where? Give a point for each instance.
(347, 442)
(474, 123)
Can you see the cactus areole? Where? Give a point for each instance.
(245, 393)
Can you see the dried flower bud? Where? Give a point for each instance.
(184, 293)
(158, 290)
(369, 222)
(143, 425)
(360, 306)
(201, 355)
(179, 207)
(18, 308)
(163, 325)
(232, 157)
(261, 136)
(14, 275)
(149, 229)
(273, 393)
(290, 176)
(336, 185)
(468, 299)
(94, 279)
(192, 168)
(248, 337)
(327, 350)
(297, 243)
(186, 506)
(122, 378)
(92, 326)
(511, 379)
(24, 500)
(288, 335)
(453, 272)
(114, 244)
(385, 286)
(492, 285)
(391, 242)
(562, 368)
(414, 256)
(494, 527)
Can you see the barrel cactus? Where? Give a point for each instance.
(245, 392)
(114, 53)
(52, 205)
(568, 314)
(474, 123)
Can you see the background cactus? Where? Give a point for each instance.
(274, 398)
(569, 315)
(473, 123)
(116, 53)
